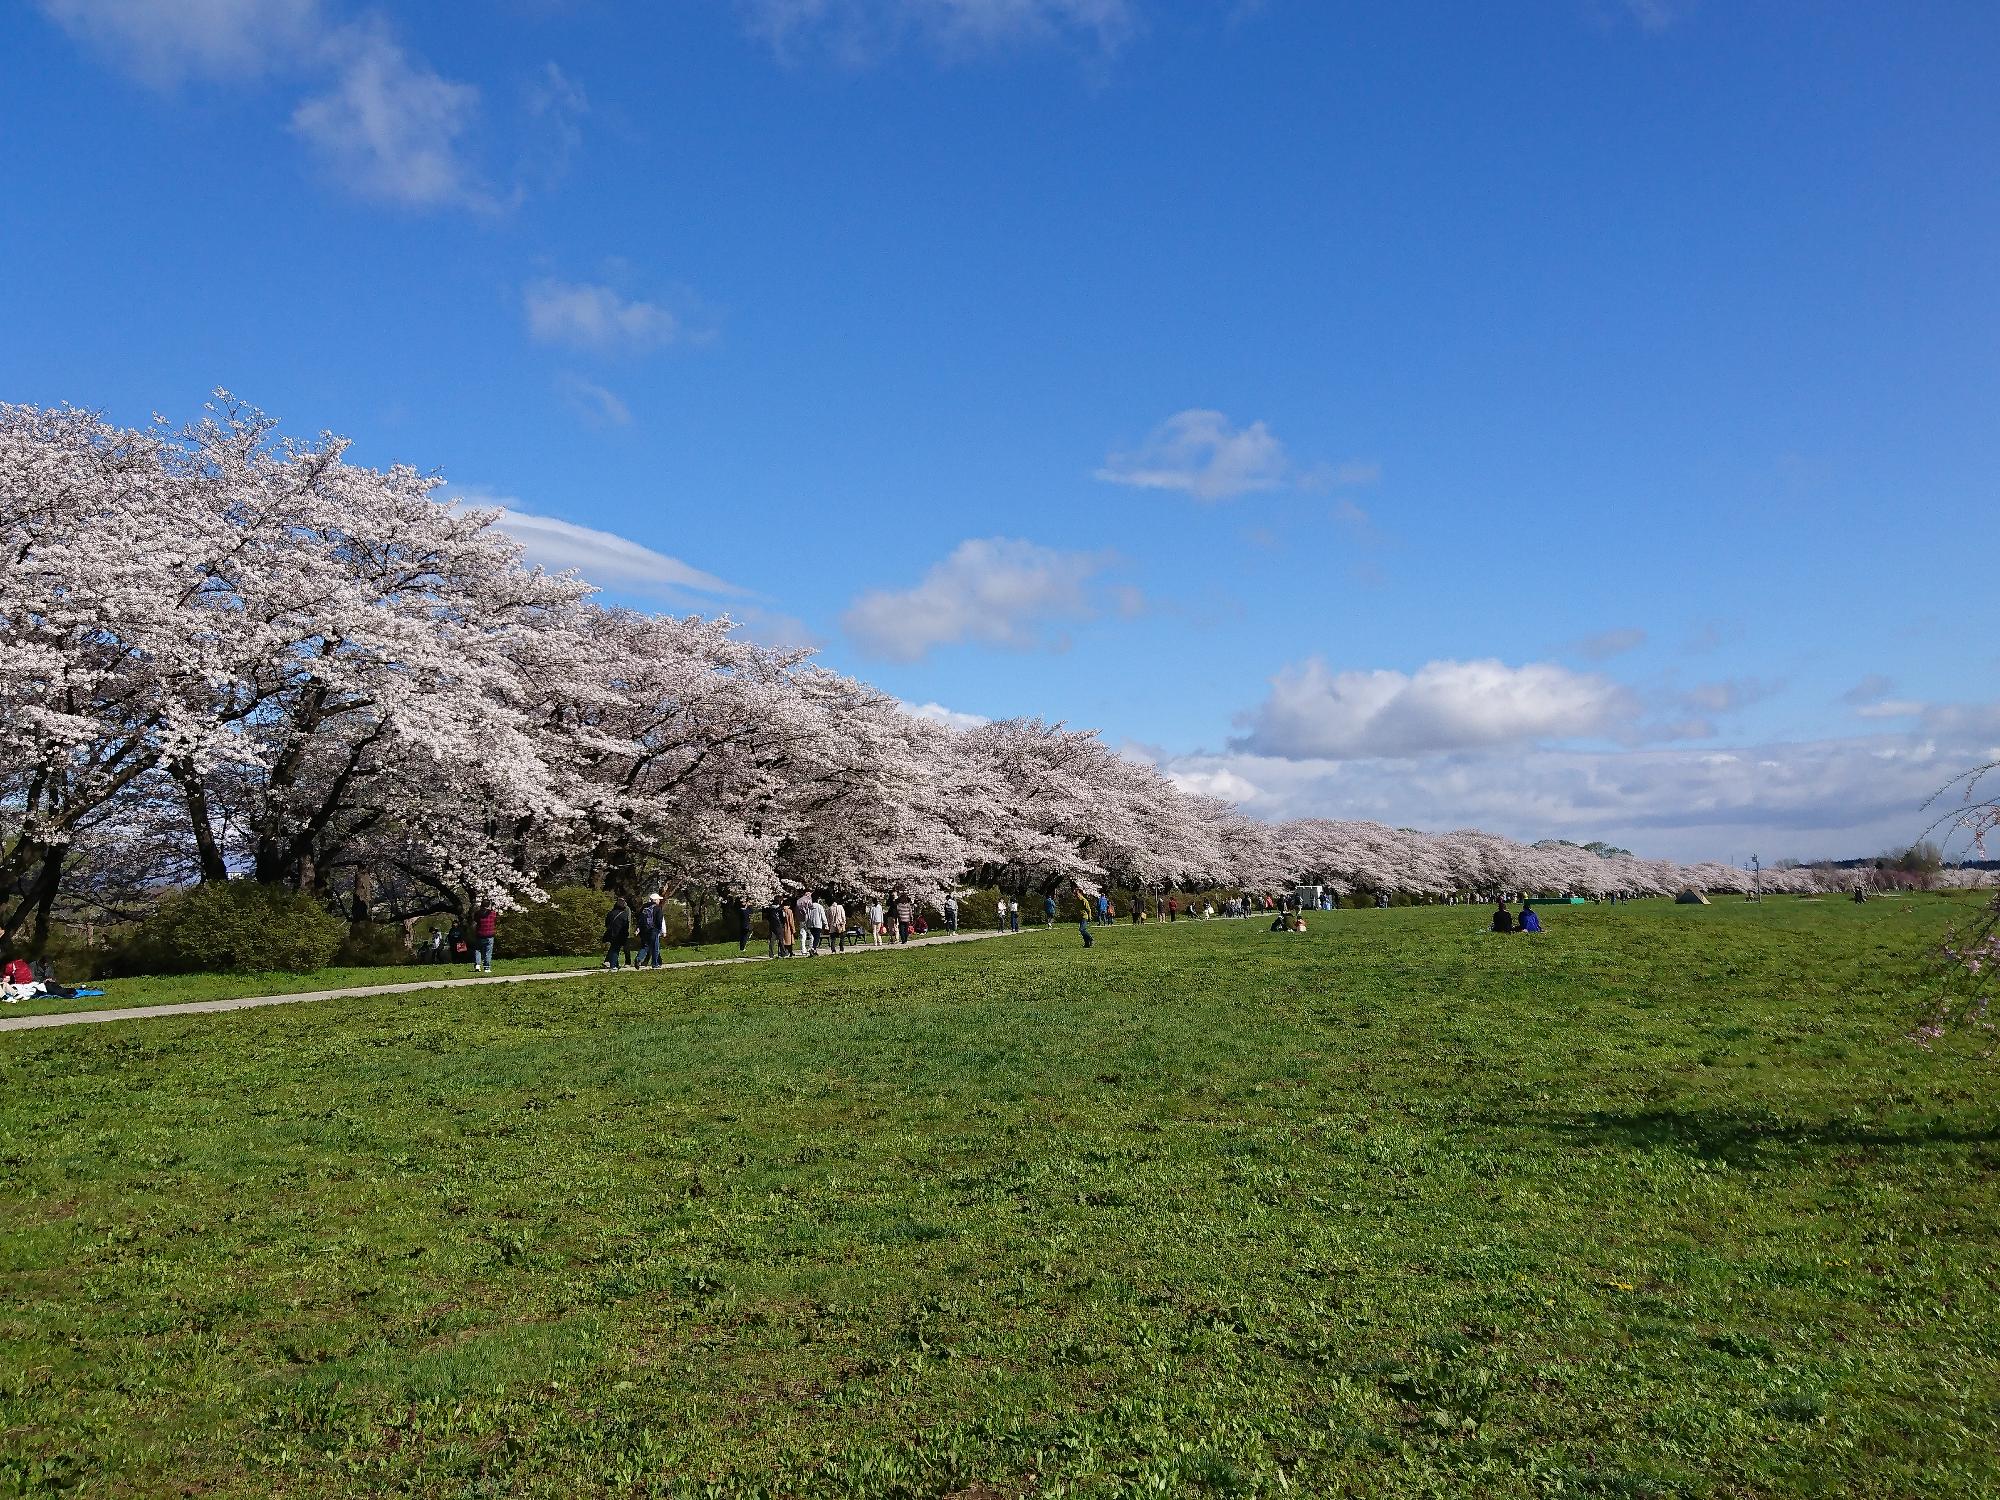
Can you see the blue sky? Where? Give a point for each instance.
(1570, 418)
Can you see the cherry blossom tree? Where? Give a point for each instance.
(226, 653)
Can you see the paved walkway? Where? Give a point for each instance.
(252, 1002)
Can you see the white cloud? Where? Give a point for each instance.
(556, 105)
(1869, 688)
(592, 317)
(383, 123)
(1831, 798)
(1199, 453)
(1213, 777)
(1609, 643)
(390, 128)
(858, 31)
(165, 42)
(601, 557)
(1870, 700)
(1729, 694)
(1655, 15)
(594, 403)
(770, 627)
(951, 718)
(1314, 712)
(997, 591)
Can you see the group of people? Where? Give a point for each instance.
(635, 936)
(21, 980)
(1505, 921)
(807, 926)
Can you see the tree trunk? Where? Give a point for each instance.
(51, 881)
(208, 854)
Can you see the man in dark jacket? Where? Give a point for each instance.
(1503, 919)
(617, 927)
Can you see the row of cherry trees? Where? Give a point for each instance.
(229, 654)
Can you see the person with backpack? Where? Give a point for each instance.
(617, 928)
(485, 930)
(652, 928)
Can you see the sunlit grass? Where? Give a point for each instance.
(1656, 1205)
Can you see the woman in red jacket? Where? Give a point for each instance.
(485, 923)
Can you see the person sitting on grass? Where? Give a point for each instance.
(1530, 922)
(1503, 919)
(18, 982)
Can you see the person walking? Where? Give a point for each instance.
(1014, 916)
(815, 926)
(774, 927)
(836, 925)
(1083, 922)
(652, 928)
(875, 921)
(788, 932)
(742, 925)
(1049, 909)
(906, 912)
(950, 912)
(617, 928)
(1173, 908)
(485, 929)
(802, 912)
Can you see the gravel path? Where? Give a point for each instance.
(252, 1002)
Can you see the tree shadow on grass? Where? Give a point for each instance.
(1737, 1135)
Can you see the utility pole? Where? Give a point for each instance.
(1756, 879)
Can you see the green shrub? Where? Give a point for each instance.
(571, 921)
(238, 927)
(373, 945)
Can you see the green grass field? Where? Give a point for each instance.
(181, 989)
(1659, 1205)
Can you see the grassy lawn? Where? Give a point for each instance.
(179, 989)
(1655, 1206)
